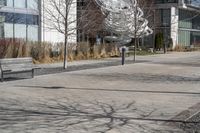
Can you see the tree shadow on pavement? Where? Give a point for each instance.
(80, 117)
(73, 117)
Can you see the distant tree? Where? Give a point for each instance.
(92, 19)
(58, 15)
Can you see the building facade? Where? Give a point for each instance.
(25, 19)
(20, 19)
(178, 20)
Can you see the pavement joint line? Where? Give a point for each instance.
(112, 90)
(193, 115)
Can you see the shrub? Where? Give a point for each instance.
(159, 40)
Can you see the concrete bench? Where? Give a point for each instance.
(16, 65)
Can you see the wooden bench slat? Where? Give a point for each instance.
(14, 62)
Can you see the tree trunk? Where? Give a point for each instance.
(65, 53)
(135, 36)
(135, 45)
(66, 38)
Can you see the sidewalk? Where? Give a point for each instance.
(80, 65)
(171, 56)
(83, 62)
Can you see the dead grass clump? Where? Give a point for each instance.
(41, 51)
(179, 48)
(83, 51)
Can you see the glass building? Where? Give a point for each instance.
(179, 20)
(20, 19)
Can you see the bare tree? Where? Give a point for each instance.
(60, 15)
(91, 19)
(144, 7)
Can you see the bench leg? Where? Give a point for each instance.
(1, 76)
(32, 73)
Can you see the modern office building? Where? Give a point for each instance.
(20, 19)
(25, 19)
(175, 19)
(178, 20)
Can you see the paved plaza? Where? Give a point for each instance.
(158, 94)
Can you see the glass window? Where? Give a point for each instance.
(185, 19)
(32, 33)
(2, 18)
(166, 17)
(195, 39)
(184, 38)
(8, 30)
(193, 2)
(1, 31)
(9, 3)
(20, 3)
(2, 2)
(32, 19)
(20, 18)
(20, 31)
(8, 17)
(195, 22)
(32, 4)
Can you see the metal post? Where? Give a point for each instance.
(123, 56)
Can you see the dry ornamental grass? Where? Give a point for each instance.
(45, 52)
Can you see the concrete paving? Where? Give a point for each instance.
(160, 95)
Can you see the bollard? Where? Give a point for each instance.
(123, 55)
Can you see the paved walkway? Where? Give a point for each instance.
(161, 94)
(158, 58)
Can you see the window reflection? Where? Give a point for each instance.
(20, 31)
(2, 2)
(9, 3)
(20, 3)
(8, 30)
(32, 4)
(32, 32)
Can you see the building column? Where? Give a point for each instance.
(174, 26)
